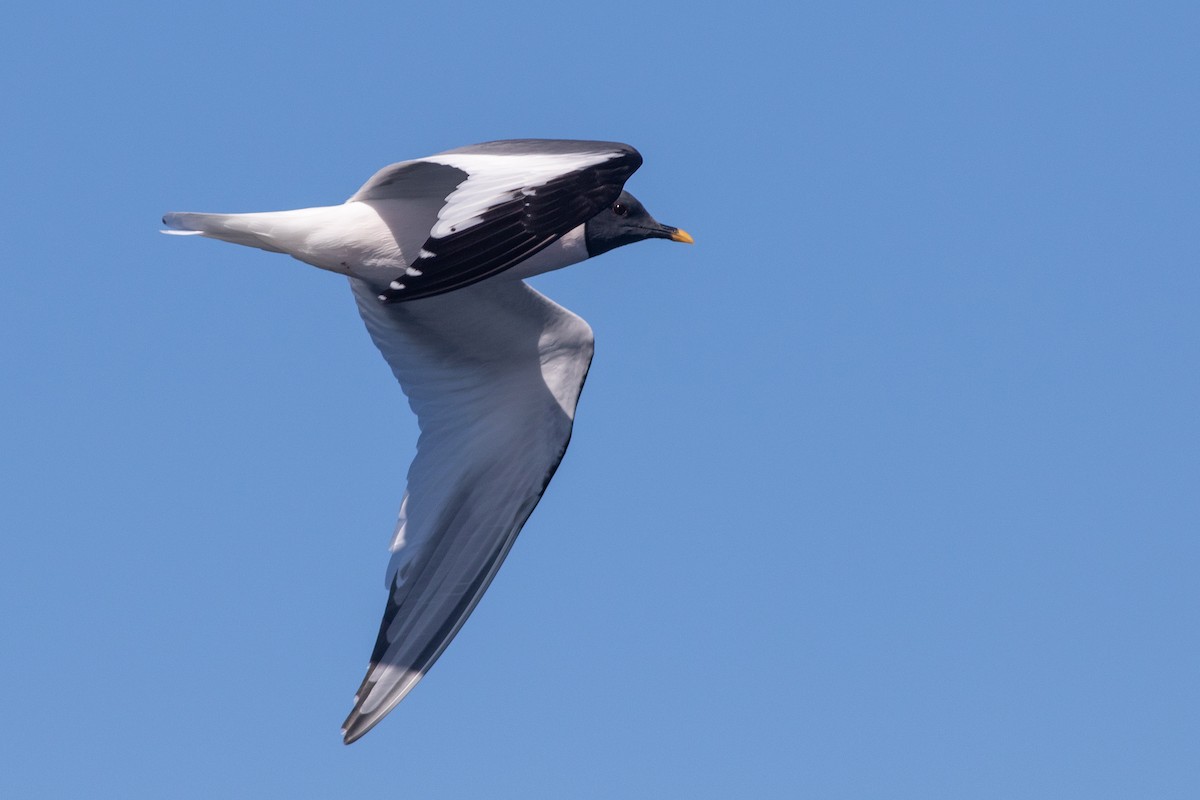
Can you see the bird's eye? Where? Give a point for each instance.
(620, 209)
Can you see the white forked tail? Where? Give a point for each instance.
(253, 230)
(350, 239)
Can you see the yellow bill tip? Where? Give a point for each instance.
(680, 235)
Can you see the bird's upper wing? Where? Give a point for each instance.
(490, 206)
(493, 373)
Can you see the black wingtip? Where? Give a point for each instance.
(357, 725)
(351, 731)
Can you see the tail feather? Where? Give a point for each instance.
(253, 230)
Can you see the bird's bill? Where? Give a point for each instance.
(674, 234)
(680, 235)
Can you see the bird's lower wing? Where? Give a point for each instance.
(493, 373)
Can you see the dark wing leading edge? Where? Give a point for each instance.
(493, 373)
(509, 201)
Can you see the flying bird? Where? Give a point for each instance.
(436, 250)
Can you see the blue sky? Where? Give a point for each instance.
(886, 488)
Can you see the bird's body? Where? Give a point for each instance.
(435, 250)
(353, 239)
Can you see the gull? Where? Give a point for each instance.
(437, 250)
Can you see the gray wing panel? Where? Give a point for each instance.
(407, 197)
(412, 180)
(539, 147)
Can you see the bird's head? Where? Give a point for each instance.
(624, 222)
